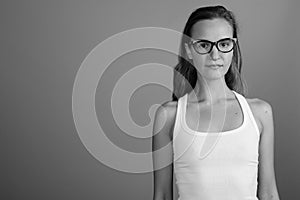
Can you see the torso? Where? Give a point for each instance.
(215, 117)
(223, 116)
(224, 170)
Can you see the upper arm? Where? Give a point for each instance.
(162, 152)
(266, 174)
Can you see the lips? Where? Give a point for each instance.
(214, 66)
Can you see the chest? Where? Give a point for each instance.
(223, 117)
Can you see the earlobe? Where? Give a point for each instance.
(188, 51)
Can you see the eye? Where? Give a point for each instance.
(203, 45)
(225, 43)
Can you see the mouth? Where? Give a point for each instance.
(214, 66)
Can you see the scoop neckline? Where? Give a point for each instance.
(194, 132)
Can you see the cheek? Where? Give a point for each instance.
(227, 59)
(199, 60)
(199, 63)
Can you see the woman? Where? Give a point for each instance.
(224, 142)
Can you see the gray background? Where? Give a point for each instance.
(42, 46)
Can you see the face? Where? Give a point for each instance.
(215, 64)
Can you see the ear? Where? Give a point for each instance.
(188, 51)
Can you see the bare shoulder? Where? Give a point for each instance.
(167, 110)
(165, 116)
(262, 111)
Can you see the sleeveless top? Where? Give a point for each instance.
(216, 165)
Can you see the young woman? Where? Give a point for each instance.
(222, 143)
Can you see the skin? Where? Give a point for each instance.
(213, 92)
(212, 30)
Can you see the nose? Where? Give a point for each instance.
(214, 54)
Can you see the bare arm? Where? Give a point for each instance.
(163, 176)
(267, 189)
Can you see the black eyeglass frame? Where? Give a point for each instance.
(192, 43)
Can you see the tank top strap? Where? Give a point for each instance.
(179, 113)
(247, 111)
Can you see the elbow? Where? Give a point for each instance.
(162, 197)
(270, 196)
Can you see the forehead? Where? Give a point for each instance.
(213, 29)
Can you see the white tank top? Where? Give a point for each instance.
(219, 165)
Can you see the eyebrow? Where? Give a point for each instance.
(212, 41)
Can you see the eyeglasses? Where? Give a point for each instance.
(224, 45)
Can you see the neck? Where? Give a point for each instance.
(211, 91)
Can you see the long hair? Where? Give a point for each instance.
(185, 74)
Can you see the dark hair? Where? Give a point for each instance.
(185, 74)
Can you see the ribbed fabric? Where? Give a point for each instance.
(216, 166)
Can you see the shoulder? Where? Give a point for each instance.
(262, 111)
(165, 116)
(167, 109)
